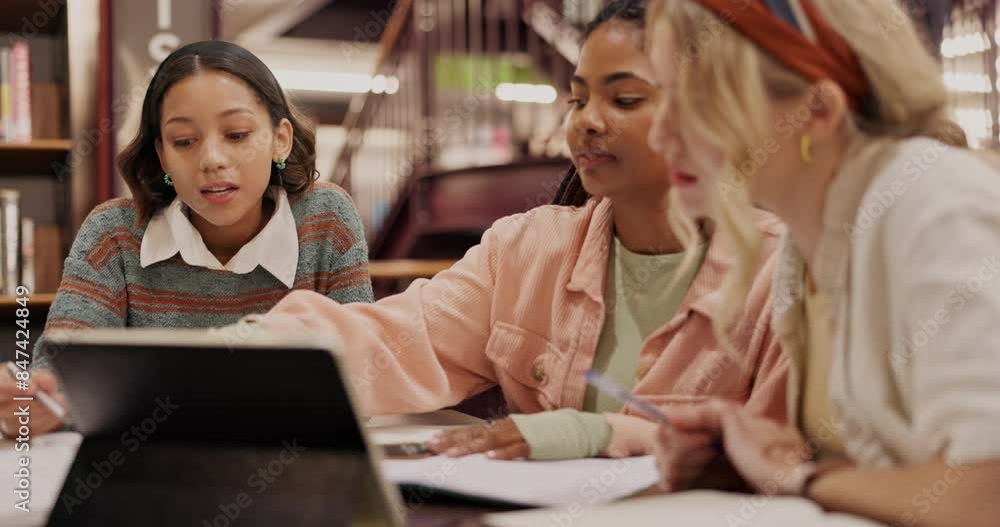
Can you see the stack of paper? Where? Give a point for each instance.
(583, 482)
(576, 483)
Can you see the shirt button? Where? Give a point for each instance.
(538, 372)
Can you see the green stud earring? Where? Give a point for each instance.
(280, 164)
(166, 179)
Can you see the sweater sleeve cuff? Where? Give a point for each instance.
(564, 434)
(40, 359)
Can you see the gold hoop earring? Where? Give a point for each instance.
(805, 148)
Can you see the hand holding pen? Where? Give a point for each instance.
(42, 396)
(687, 440)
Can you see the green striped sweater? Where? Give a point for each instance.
(103, 284)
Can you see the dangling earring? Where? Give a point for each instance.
(167, 180)
(805, 148)
(280, 165)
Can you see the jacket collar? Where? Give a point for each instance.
(590, 269)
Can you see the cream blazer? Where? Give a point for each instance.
(909, 260)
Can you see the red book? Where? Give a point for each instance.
(20, 92)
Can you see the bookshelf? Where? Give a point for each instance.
(53, 172)
(35, 157)
(38, 145)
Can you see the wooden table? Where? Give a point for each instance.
(393, 276)
(401, 269)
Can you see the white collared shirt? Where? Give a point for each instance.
(275, 248)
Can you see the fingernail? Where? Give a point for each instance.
(491, 454)
(453, 452)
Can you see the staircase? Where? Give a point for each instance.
(468, 127)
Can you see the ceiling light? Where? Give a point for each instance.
(529, 93)
(335, 82)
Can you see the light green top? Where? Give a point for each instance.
(639, 300)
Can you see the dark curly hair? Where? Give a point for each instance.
(633, 11)
(571, 192)
(140, 165)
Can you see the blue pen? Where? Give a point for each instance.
(613, 389)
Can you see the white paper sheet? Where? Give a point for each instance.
(583, 482)
(701, 508)
(416, 428)
(50, 459)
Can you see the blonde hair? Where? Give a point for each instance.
(724, 83)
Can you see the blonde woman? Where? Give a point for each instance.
(831, 114)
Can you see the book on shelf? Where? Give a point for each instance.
(16, 94)
(31, 253)
(10, 235)
(20, 92)
(28, 253)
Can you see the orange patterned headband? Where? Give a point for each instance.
(794, 32)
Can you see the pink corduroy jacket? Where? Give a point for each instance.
(524, 310)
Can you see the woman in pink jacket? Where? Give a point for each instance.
(554, 292)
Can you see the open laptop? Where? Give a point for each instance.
(213, 429)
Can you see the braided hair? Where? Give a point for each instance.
(571, 192)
